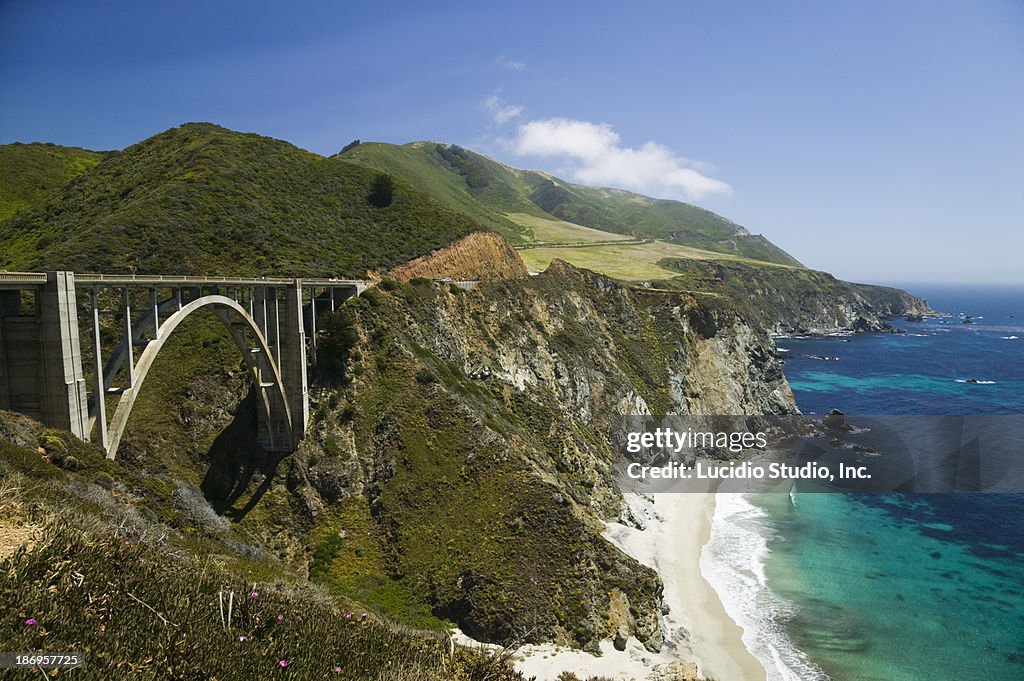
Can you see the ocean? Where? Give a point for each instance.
(888, 587)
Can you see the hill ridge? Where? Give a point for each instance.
(499, 189)
(200, 198)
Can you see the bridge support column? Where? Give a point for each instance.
(63, 400)
(312, 326)
(100, 391)
(292, 353)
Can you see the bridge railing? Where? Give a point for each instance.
(177, 280)
(23, 277)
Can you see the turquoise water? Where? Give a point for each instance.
(890, 587)
(878, 598)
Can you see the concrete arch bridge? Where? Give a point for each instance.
(272, 321)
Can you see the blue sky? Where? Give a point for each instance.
(878, 140)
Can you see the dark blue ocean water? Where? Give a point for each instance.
(901, 587)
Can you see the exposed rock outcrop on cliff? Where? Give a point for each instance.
(481, 255)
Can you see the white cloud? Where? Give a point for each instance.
(598, 158)
(501, 111)
(511, 64)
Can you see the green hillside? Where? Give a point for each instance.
(29, 171)
(200, 198)
(473, 184)
(617, 210)
(510, 200)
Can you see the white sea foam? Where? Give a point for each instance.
(733, 563)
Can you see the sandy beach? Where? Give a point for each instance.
(698, 629)
(715, 639)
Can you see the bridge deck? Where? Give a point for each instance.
(15, 279)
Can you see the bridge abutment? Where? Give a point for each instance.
(40, 354)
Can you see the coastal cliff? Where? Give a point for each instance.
(788, 300)
(470, 432)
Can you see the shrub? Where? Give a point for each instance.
(371, 296)
(53, 444)
(382, 191)
(338, 337)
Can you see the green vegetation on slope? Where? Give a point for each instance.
(481, 500)
(202, 199)
(461, 519)
(482, 191)
(553, 219)
(617, 210)
(494, 193)
(99, 580)
(29, 171)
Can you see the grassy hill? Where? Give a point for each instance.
(511, 201)
(472, 184)
(29, 171)
(200, 198)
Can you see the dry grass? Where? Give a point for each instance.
(626, 262)
(560, 231)
(16, 528)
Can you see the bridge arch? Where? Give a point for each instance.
(275, 417)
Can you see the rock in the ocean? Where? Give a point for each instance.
(836, 420)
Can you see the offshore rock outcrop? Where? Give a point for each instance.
(475, 429)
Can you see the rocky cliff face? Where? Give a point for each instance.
(474, 428)
(893, 303)
(481, 255)
(787, 300)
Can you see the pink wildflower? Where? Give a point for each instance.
(282, 663)
(280, 618)
(243, 639)
(29, 622)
